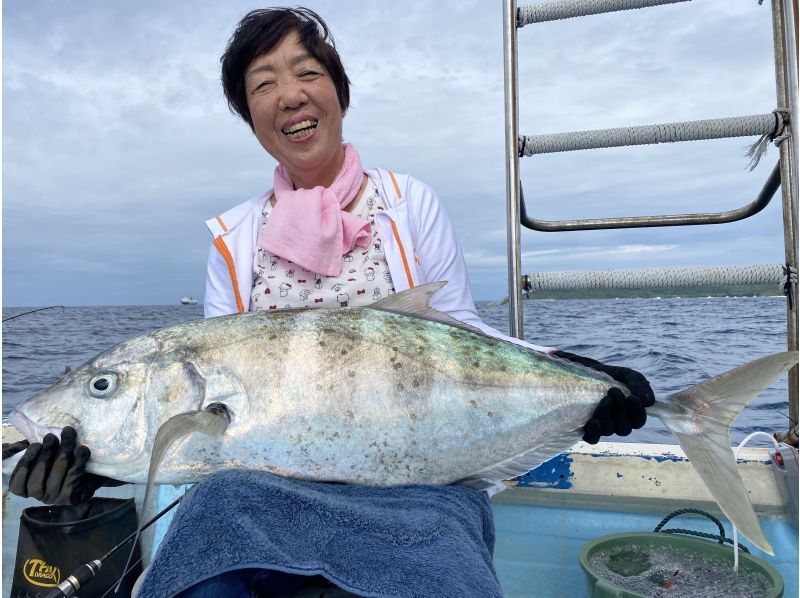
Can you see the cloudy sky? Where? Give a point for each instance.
(117, 143)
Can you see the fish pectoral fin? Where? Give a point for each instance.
(212, 423)
(219, 385)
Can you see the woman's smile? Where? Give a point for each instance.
(300, 130)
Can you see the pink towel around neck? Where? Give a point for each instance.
(309, 227)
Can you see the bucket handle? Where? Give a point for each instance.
(719, 538)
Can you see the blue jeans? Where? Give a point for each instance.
(264, 583)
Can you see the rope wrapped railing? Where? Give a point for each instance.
(568, 9)
(695, 130)
(641, 278)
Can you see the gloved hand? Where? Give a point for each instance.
(53, 472)
(616, 413)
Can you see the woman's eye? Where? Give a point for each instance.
(262, 86)
(308, 74)
(102, 385)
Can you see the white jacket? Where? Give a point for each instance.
(418, 241)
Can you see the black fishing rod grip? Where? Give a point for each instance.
(79, 577)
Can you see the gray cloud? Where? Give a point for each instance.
(118, 143)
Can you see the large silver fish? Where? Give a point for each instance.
(394, 393)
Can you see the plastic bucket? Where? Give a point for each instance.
(598, 587)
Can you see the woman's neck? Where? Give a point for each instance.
(322, 177)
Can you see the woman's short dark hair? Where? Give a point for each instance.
(259, 32)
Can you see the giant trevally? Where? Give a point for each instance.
(393, 393)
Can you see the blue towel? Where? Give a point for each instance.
(398, 541)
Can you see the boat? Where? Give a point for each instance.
(188, 301)
(544, 517)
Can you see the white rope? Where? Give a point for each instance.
(658, 277)
(567, 9)
(736, 456)
(695, 130)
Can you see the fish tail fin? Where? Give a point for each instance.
(701, 417)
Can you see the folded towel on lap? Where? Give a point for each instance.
(398, 541)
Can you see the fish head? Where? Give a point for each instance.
(115, 401)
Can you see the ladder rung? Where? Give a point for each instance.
(718, 128)
(567, 9)
(657, 277)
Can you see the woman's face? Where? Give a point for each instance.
(296, 114)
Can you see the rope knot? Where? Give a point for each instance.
(778, 135)
(789, 279)
(782, 132)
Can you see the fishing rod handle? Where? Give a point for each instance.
(80, 576)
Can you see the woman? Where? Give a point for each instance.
(329, 233)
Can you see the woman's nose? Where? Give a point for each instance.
(292, 96)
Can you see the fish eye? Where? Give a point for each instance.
(102, 385)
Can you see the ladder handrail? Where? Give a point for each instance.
(784, 21)
(510, 26)
(759, 203)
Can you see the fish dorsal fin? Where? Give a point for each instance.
(415, 302)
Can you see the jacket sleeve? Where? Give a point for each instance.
(439, 257)
(219, 299)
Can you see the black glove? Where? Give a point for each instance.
(53, 472)
(616, 413)
(12, 448)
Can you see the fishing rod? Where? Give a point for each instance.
(86, 572)
(32, 311)
(113, 587)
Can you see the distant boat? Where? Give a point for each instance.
(188, 301)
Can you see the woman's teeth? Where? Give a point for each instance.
(302, 129)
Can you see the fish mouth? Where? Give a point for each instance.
(35, 432)
(31, 430)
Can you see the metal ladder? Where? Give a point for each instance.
(778, 123)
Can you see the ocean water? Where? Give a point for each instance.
(674, 342)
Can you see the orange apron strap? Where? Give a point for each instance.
(397, 235)
(226, 255)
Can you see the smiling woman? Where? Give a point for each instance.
(329, 233)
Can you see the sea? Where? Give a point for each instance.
(675, 342)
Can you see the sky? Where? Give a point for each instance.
(118, 144)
